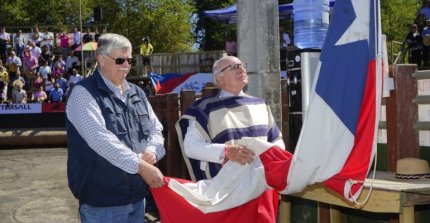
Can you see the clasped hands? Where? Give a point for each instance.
(240, 154)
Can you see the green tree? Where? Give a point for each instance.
(166, 22)
(210, 34)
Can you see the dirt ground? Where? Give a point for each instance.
(33, 187)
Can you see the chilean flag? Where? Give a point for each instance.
(174, 82)
(338, 139)
(336, 146)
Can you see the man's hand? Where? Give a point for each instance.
(149, 157)
(240, 154)
(151, 174)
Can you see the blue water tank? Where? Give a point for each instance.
(311, 19)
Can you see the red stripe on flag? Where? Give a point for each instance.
(357, 164)
(175, 209)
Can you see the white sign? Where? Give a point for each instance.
(20, 108)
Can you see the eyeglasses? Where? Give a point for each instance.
(120, 60)
(233, 67)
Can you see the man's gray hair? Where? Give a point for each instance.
(110, 41)
(215, 70)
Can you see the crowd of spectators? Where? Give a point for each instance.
(35, 70)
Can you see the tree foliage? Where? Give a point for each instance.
(166, 22)
(210, 34)
(169, 23)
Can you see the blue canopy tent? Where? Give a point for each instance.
(228, 14)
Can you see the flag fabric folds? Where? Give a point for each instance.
(173, 82)
(338, 139)
(237, 194)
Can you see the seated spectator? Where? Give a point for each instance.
(4, 78)
(56, 94)
(62, 82)
(13, 63)
(2, 93)
(58, 70)
(38, 82)
(49, 85)
(75, 77)
(87, 37)
(40, 95)
(72, 61)
(45, 71)
(47, 55)
(16, 78)
(19, 95)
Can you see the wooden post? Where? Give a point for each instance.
(187, 99)
(402, 115)
(158, 103)
(209, 91)
(175, 163)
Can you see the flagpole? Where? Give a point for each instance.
(80, 38)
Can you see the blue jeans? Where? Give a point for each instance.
(130, 213)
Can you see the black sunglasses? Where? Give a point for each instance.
(233, 67)
(120, 60)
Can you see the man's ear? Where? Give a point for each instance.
(100, 59)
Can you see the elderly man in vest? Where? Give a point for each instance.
(114, 138)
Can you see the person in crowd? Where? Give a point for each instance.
(13, 63)
(45, 71)
(19, 95)
(58, 59)
(17, 78)
(58, 70)
(414, 41)
(146, 50)
(75, 77)
(49, 85)
(47, 55)
(37, 82)
(72, 61)
(19, 42)
(231, 46)
(64, 43)
(88, 37)
(110, 154)
(36, 36)
(423, 14)
(56, 94)
(284, 37)
(4, 40)
(62, 82)
(29, 66)
(426, 43)
(4, 78)
(47, 39)
(40, 95)
(96, 34)
(213, 136)
(76, 38)
(35, 50)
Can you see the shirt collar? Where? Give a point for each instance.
(112, 87)
(224, 94)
